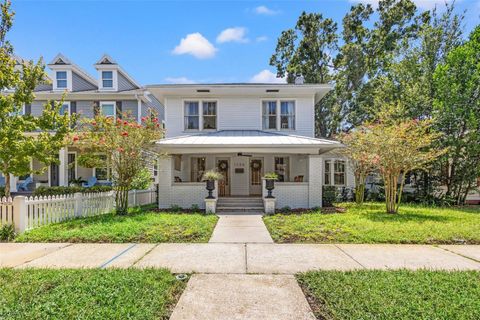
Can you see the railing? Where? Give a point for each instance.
(32, 212)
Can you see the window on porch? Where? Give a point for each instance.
(197, 169)
(282, 168)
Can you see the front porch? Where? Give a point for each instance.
(242, 157)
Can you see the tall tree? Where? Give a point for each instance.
(24, 137)
(457, 115)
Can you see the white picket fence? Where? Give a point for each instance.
(32, 212)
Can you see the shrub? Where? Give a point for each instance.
(329, 195)
(56, 191)
(211, 175)
(142, 180)
(7, 232)
(175, 208)
(2, 192)
(195, 208)
(286, 209)
(271, 176)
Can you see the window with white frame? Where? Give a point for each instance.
(102, 173)
(269, 115)
(287, 115)
(209, 115)
(107, 79)
(65, 108)
(61, 77)
(192, 115)
(198, 166)
(335, 173)
(282, 168)
(107, 108)
(72, 167)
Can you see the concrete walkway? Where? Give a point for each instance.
(236, 258)
(240, 229)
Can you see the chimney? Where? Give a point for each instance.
(299, 80)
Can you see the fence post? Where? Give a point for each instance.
(78, 204)
(20, 213)
(134, 197)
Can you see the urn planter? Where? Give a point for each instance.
(269, 185)
(210, 188)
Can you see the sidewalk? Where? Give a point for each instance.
(236, 258)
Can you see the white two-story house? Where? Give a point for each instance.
(111, 91)
(244, 131)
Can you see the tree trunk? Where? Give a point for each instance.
(121, 201)
(391, 192)
(7, 184)
(360, 188)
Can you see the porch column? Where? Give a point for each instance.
(13, 183)
(165, 168)
(315, 177)
(63, 168)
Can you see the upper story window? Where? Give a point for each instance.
(270, 115)
(335, 173)
(61, 77)
(192, 115)
(196, 118)
(278, 115)
(209, 115)
(108, 108)
(287, 115)
(107, 79)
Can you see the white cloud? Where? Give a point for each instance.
(196, 45)
(266, 11)
(236, 34)
(422, 4)
(179, 80)
(261, 38)
(267, 76)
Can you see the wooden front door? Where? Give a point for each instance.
(223, 167)
(256, 173)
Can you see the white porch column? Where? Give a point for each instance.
(13, 183)
(165, 168)
(315, 177)
(63, 167)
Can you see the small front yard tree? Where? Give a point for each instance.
(362, 159)
(121, 144)
(24, 137)
(398, 148)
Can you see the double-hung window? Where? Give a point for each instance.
(209, 115)
(107, 79)
(282, 168)
(65, 108)
(61, 79)
(197, 169)
(108, 109)
(192, 115)
(287, 115)
(102, 173)
(270, 115)
(335, 173)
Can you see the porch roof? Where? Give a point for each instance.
(240, 140)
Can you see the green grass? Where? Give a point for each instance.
(143, 226)
(88, 294)
(393, 294)
(370, 224)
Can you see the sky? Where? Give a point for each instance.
(175, 41)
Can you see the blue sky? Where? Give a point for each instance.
(174, 41)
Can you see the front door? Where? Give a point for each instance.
(223, 167)
(256, 173)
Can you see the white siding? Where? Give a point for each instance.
(241, 113)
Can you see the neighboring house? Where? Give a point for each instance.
(111, 92)
(244, 131)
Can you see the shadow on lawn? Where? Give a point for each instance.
(404, 217)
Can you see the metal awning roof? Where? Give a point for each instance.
(241, 140)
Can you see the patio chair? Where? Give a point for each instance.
(90, 182)
(23, 186)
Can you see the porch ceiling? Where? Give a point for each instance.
(246, 141)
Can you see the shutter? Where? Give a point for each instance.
(119, 109)
(96, 108)
(73, 107)
(28, 109)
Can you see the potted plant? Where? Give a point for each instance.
(210, 177)
(270, 178)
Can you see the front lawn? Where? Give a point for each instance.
(88, 294)
(393, 294)
(142, 226)
(370, 224)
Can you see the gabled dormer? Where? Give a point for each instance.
(68, 76)
(111, 77)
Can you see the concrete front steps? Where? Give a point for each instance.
(244, 205)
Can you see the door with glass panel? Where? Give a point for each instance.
(256, 173)
(223, 167)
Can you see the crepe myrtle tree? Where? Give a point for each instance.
(24, 137)
(121, 144)
(397, 147)
(362, 160)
